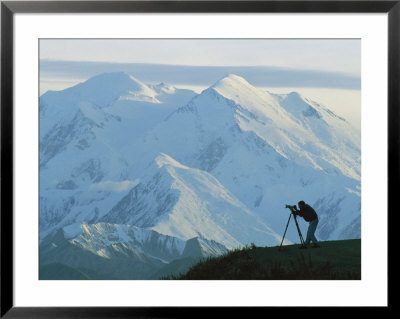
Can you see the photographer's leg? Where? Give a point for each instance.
(313, 238)
(313, 226)
(310, 232)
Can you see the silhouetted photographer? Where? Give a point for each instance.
(310, 216)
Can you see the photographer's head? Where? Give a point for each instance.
(301, 204)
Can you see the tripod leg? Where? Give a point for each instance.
(299, 231)
(285, 231)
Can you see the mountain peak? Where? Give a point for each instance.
(234, 77)
(106, 88)
(236, 88)
(295, 97)
(113, 75)
(114, 79)
(166, 160)
(163, 88)
(231, 80)
(299, 106)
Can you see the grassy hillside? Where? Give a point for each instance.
(178, 266)
(333, 260)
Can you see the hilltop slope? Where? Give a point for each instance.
(334, 260)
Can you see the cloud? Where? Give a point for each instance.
(202, 75)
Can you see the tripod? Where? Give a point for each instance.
(297, 226)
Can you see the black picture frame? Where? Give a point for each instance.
(9, 8)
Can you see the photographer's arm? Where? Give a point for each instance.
(296, 211)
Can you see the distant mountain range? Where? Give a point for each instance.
(138, 179)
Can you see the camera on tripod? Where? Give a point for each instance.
(293, 210)
(291, 207)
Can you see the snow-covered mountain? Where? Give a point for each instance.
(297, 129)
(112, 251)
(107, 240)
(105, 251)
(82, 138)
(211, 171)
(268, 150)
(183, 202)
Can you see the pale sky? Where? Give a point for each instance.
(333, 55)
